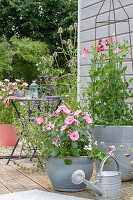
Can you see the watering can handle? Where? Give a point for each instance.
(103, 162)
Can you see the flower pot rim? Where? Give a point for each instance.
(69, 157)
(113, 126)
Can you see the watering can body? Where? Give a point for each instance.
(107, 184)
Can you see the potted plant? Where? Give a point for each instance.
(107, 95)
(8, 135)
(64, 141)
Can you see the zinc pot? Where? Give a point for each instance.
(116, 136)
(8, 136)
(60, 174)
(20, 93)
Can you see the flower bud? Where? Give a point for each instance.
(70, 28)
(75, 25)
(60, 30)
(51, 58)
(44, 59)
(55, 54)
(69, 41)
(70, 46)
(63, 41)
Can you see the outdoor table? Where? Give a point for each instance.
(14, 99)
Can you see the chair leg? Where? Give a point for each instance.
(35, 153)
(13, 151)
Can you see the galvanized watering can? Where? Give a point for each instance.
(107, 183)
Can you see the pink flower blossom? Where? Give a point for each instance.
(64, 109)
(1, 97)
(114, 41)
(17, 80)
(109, 149)
(7, 80)
(77, 112)
(15, 88)
(43, 128)
(11, 92)
(63, 128)
(117, 51)
(88, 119)
(14, 84)
(69, 120)
(1, 84)
(50, 126)
(74, 136)
(24, 84)
(83, 55)
(21, 103)
(3, 89)
(69, 131)
(39, 120)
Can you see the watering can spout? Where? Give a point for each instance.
(78, 177)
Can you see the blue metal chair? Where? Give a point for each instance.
(50, 105)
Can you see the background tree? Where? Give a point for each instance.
(39, 20)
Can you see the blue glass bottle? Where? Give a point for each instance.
(33, 90)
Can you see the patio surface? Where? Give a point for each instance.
(14, 178)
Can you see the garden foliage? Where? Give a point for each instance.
(108, 89)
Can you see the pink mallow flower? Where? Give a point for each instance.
(1, 97)
(117, 51)
(77, 112)
(24, 84)
(39, 120)
(88, 119)
(69, 120)
(21, 103)
(74, 136)
(43, 128)
(63, 128)
(64, 109)
(50, 126)
(1, 84)
(7, 80)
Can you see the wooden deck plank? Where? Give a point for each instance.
(13, 178)
(42, 179)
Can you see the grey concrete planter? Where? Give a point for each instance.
(60, 174)
(117, 135)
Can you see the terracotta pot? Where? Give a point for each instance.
(8, 136)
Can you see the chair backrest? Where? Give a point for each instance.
(49, 90)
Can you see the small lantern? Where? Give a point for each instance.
(33, 90)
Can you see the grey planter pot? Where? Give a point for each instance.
(20, 93)
(116, 135)
(60, 174)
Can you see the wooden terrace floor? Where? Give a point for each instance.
(14, 178)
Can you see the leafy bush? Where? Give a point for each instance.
(26, 54)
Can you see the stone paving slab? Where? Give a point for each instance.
(37, 195)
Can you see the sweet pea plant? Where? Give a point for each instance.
(63, 133)
(108, 89)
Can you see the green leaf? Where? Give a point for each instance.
(68, 161)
